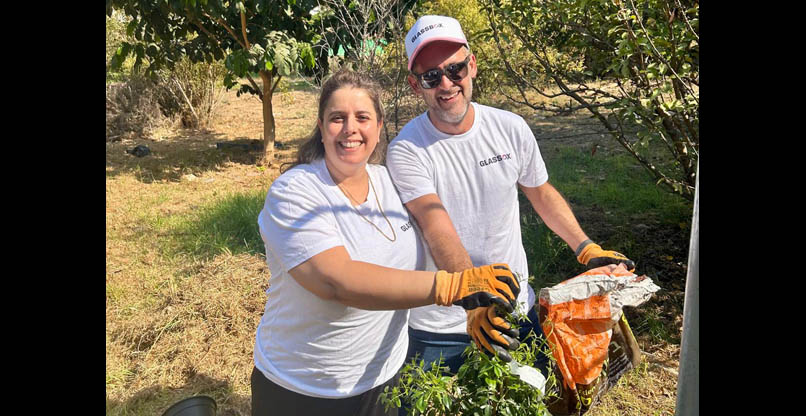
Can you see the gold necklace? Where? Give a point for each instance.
(349, 195)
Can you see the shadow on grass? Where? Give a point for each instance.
(187, 152)
(156, 400)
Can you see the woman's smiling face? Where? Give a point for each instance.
(350, 130)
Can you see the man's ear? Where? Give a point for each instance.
(415, 86)
(472, 66)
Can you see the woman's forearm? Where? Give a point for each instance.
(373, 287)
(333, 275)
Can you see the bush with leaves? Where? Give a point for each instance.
(115, 35)
(193, 91)
(484, 385)
(188, 94)
(133, 108)
(641, 81)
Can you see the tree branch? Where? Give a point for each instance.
(207, 32)
(223, 51)
(243, 31)
(685, 19)
(228, 29)
(187, 100)
(254, 85)
(658, 54)
(274, 86)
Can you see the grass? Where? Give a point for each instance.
(185, 284)
(227, 225)
(608, 195)
(186, 274)
(615, 183)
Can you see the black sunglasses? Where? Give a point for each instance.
(431, 78)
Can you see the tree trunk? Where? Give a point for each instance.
(268, 119)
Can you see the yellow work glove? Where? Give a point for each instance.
(591, 254)
(489, 330)
(479, 286)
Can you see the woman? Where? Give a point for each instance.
(343, 255)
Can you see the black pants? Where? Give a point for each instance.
(270, 399)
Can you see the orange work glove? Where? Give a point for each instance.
(479, 286)
(489, 330)
(591, 255)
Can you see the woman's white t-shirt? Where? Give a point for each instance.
(318, 347)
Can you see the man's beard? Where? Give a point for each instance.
(449, 117)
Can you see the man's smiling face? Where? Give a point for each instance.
(449, 102)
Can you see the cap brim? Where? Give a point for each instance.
(424, 43)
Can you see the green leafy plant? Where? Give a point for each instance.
(640, 79)
(484, 385)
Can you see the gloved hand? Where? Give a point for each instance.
(479, 286)
(489, 330)
(593, 256)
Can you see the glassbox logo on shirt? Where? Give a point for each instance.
(495, 159)
(406, 226)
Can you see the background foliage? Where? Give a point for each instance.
(251, 36)
(640, 78)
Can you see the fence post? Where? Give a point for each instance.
(688, 381)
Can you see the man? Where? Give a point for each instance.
(458, 167)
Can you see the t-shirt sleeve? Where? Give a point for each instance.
(411, 174)
(297, 222)
(532, 170)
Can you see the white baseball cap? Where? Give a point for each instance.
(431, 28)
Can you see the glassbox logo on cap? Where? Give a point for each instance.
(423, 30)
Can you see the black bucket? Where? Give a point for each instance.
(193, 406)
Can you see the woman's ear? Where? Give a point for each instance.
(319, 126)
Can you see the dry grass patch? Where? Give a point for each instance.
(646, 390)
(169, 336)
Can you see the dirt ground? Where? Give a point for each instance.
(186, 168)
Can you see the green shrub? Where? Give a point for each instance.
(642, 82)
(133, 108)
(193, 91)
(189, 95)
(484, 385)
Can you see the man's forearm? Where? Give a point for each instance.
(443, 241)
(447, 250)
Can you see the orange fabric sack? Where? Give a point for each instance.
(580, 315)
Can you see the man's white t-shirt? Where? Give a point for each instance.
(475, 174)
(318, 347)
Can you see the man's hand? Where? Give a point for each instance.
(591, 254)
(490, 331)
(479, 286)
